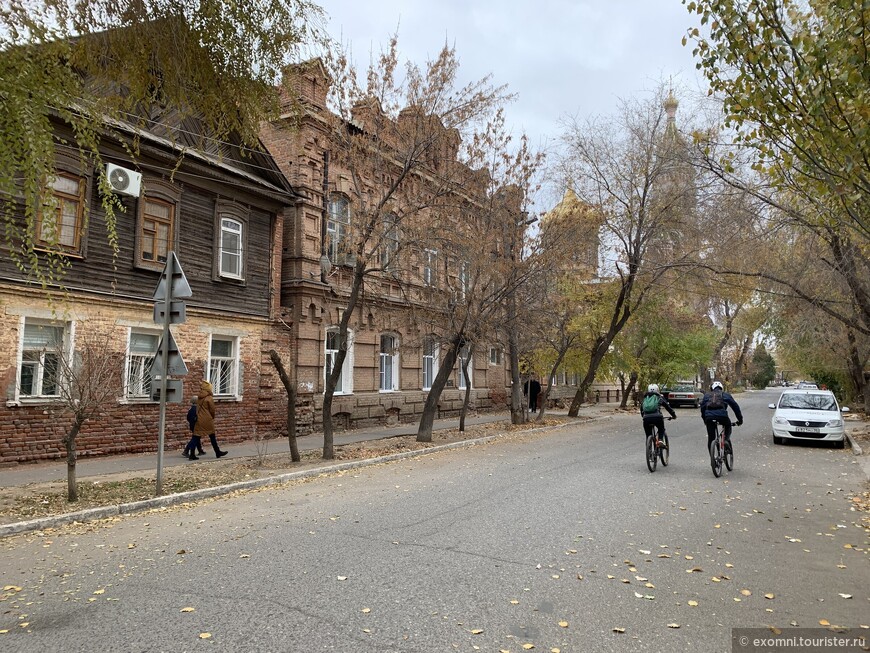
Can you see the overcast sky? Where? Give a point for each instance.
(562, 57)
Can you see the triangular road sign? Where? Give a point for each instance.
(180, 289)
(175, 366)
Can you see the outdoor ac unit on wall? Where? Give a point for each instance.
(124, 181)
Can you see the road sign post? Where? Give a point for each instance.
(173, 286)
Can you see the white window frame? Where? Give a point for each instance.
(224, 367)
(227, 224)
(460, 382)
(138, 363)
(462, 279)
(388, 363)
(496, 356)
(430, 361)
(430, 267)
(66, 336)
(345, 379)
(337, 227)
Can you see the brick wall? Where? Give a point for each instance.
(31, 432)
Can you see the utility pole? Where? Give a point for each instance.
(172, 286)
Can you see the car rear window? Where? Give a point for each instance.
(808, 401)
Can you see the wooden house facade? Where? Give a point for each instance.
(222, 213)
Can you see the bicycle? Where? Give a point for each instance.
(655, 450)
(721, 451)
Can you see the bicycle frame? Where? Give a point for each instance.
(655, 451)
(719, 453)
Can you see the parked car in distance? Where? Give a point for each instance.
(807, 385)
(808, 415)
(682, 395)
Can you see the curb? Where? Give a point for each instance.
(104, 512)
(856, 448)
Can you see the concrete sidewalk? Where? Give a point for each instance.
(55, 470)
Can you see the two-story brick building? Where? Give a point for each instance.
(392, 356)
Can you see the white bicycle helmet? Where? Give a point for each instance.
(717, 385)
(652, 387)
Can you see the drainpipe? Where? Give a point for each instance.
(324, 261)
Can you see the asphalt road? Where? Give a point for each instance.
(553, 540)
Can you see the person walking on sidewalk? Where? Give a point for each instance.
(205, 418)
(195, 445)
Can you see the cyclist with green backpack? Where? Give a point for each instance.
(650, 409)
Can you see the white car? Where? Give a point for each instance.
(808, 415)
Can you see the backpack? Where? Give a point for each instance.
(191, 416)
(715, 402)
(650, 404)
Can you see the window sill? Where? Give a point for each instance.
(21, 402)
(132, 401)
(226, 399)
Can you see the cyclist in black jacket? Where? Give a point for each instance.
(714, 408)
(654, 417)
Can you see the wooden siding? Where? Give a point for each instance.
(196, 247)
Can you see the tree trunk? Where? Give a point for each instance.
(335, 372)
(72, 491)
(599, 352)
(551, 380)
(628, 389)
(518, 406)
(621, 313)
(856, 370)
(465, 402)
(740, 365)
(291, 405)
(430, 407)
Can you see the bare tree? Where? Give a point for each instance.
(393, 142)
(634, 171)
(492, 250)
(290, 387)
(88, 381)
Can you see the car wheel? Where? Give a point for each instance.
(777, 440)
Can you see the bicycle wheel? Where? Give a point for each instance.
(729, 455)
(664, 452)
(651, 452)
(715, 457)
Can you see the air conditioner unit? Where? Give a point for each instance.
(124, 181)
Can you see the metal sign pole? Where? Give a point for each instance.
(164, 372)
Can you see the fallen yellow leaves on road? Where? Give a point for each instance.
(188, 609)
